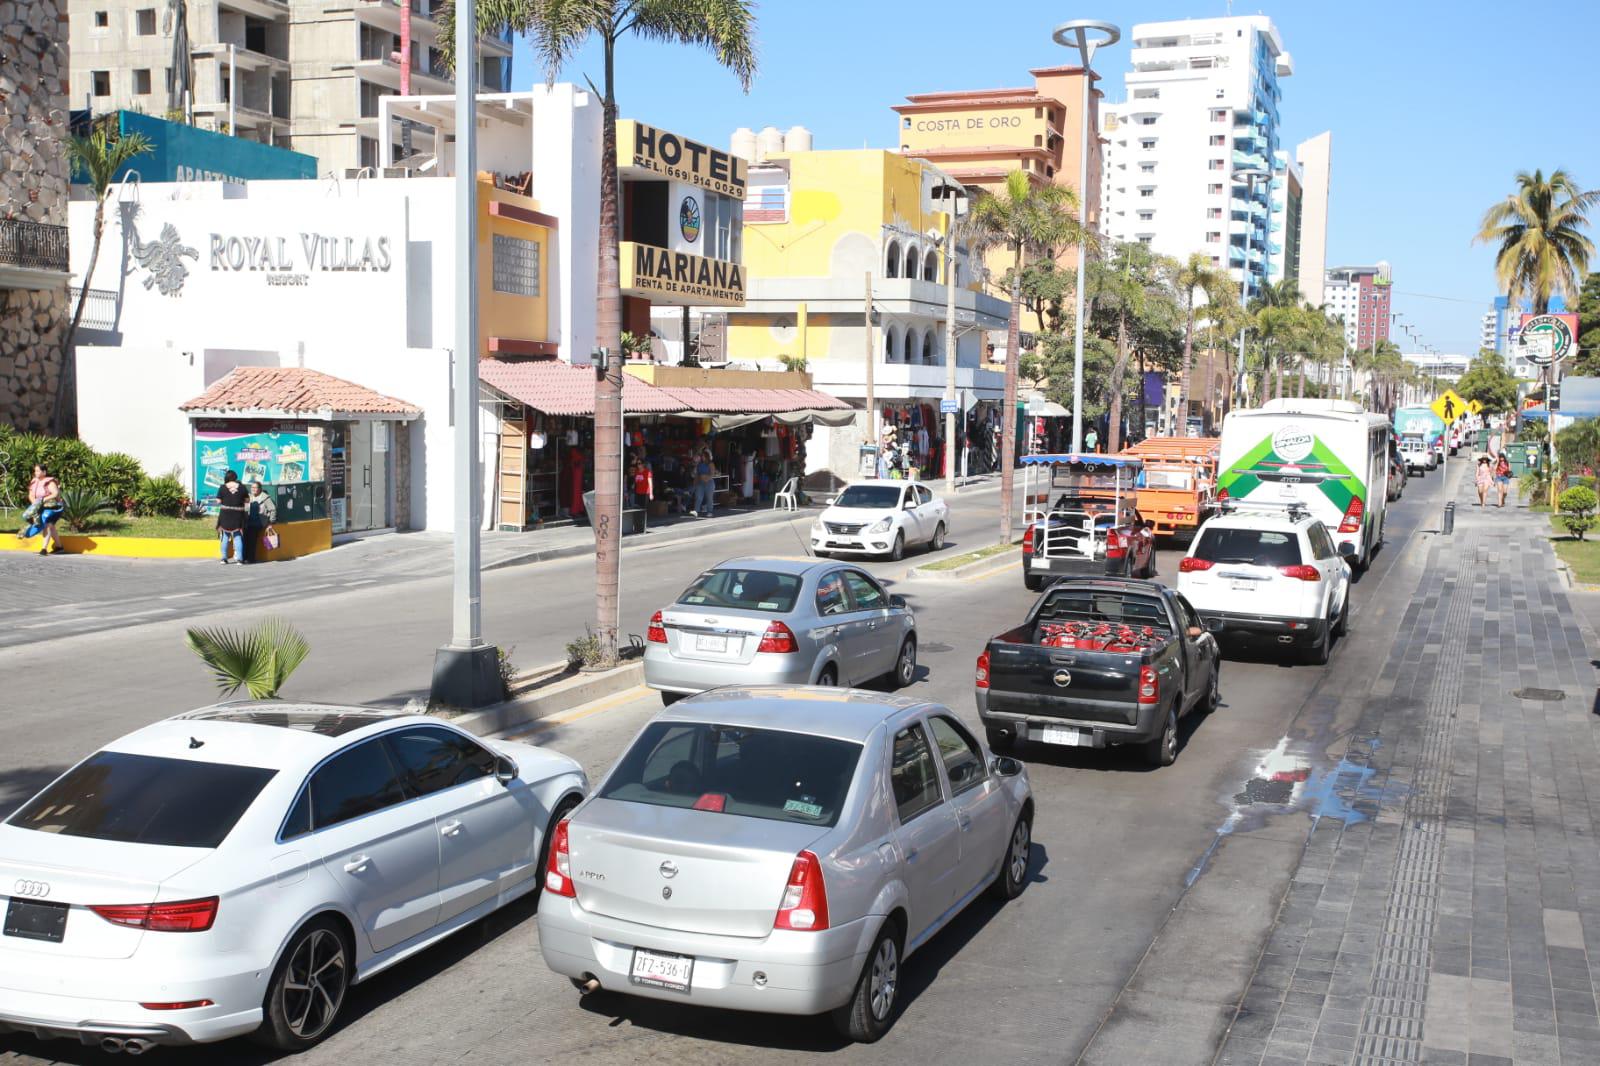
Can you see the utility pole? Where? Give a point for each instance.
(950, 346)
(405, 75)
(871, 353)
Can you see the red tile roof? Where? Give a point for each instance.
(558, 388)
(294, 390)
(720, 401)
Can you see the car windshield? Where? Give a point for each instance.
(1168, 478)
(757, 773)
(1259, 546)
(145, 799)
(869, 496)
(750, 590)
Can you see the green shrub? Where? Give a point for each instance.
(1577, 510)
(69, 459)
(164, 496)
(118, 476)
(80, 504)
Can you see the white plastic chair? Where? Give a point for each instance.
(786, 496)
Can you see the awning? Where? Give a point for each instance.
(726, 401)
(296, 393)
(554, 387)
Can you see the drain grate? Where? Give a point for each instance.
(1550, 694)
(934, 648)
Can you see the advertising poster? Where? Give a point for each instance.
(270, 457)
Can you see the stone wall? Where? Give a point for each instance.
(33, 186)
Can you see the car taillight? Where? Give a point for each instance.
(657, 633)
(1116, 545)
(1149, 685)
(778, 638)
(1301, 572)
(189, 916)
(1190, 564)
(1027, 540)
(1222, 494)
(1352, 516)
(558, 870)
(183, 1004)
(805, 897)
(981, 677)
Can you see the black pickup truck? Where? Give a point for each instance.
(1098, 662)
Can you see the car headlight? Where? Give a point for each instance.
(881, 525)
(816, 528)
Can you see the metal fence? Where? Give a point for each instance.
(33, 244)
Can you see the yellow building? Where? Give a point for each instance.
(822, 230)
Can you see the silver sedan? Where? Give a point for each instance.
(782, 850)
(780, 621)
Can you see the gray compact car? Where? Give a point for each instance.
(782, 850)
(778, 621)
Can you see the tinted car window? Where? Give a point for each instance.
(923, 495)
(875, 496)
(756, 773)
(353, 783)
(1321, 543)
(1190, 619)
(831, 598)
(867, 596)
(751, 590)
(435, 759)
(911, 774)
(1260, 546)
(963, 761)
(145, 799)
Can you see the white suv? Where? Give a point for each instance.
(1269, 575)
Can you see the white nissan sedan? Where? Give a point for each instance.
(881, 518)
(235, 869)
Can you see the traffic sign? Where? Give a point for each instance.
(1559, 332)
(1475, 406)
(948, 407)
(1449, 407)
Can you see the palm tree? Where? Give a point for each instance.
(1542, 251)
(1024, 218)
(100, 157)
(557, 29)
(1197, 273)
(258, 660)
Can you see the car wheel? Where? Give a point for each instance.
(1163, 750)
(898, 552)
(544, 845)
(1033, 584)
(307, 987)
(1342, 626)
(937, 543)
(1000, 741)
(1014, 871)
(1317, 654)
(871, 1008)
(829, 676)
(905, 664)
(1214, 694)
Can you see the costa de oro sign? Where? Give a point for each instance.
(679, 158)
(665, 276)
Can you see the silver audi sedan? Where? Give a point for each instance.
(782, 850)
(780, 621)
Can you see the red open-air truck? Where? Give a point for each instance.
(1178, 489)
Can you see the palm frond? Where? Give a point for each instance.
(725, 28)
(259, 659)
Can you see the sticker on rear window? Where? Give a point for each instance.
(1274, 538)
(810, 810)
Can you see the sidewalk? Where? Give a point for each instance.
(1446, 916)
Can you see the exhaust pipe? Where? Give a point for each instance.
(111, 1045)
(591, 985)
(137, 1045)
(1285, 640)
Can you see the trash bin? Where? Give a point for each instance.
(1448, 525)
(633, 518)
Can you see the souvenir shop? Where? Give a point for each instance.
(910, 439)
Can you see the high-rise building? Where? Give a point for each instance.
(1283, 260)
(1193, 161)
(301, 74)
(1315, 159)
(1490, 332)
(1359, 295)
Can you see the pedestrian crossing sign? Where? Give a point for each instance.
(1449, 407)
(1475, 406)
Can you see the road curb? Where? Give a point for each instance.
(552, 699)
(670, 535)
(998, 561)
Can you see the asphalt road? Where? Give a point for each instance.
(1149, 896)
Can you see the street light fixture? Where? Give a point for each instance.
(1249, 176)
(1085, 35)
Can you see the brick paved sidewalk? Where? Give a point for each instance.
(1449, 918)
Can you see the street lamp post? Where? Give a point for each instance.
(1085, 35)
(1248, 175)
(955, 197)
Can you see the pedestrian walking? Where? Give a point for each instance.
(39, 487)
(234, 507)
(45, 506)
(1484, 478)
(705, 471)
(1091, 440)
(1502, 477)
(261, 512)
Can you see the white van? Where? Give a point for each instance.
(1330, 457)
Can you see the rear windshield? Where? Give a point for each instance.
(1263, 547)
(144, 799)
(869, 496)
(750, 590)
(1168, 479)
(1106, 606)
(758, 773)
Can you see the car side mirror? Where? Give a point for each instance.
(1347, 550)
(1006, 766)
(897, 601)
(1195, 632)
(1213, 625)
(505, 769)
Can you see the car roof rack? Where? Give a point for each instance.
(1294, 510)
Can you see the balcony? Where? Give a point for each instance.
(1249, 159)
(1275, 248)
(33, 255)
(386, 72)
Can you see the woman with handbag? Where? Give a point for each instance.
(258, 531)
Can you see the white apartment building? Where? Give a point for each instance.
(1360, 296)
(1486, 339)
(1193, 161)
(300, 74)
(1314, 158)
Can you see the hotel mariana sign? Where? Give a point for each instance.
(680, 159)
(678, 277)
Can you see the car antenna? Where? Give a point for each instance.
(196, 743)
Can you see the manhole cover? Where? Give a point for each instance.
(1539, 694)
(932, 646)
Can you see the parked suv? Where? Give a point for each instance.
(1269, 575)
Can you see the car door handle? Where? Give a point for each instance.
(450, 828)
(965, 820)
(911, 856)
(872, 625)
(357, 865)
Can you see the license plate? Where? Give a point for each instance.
(1242, 586)
(36, 921)
(660, 969)
(1065, 736)
(704, 643)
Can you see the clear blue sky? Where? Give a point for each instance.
(1434, 106)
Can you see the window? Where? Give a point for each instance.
(1321, 544)
(141, 83)
(1038, 140)
(905, 123)
(357, 781)
(923, 495)
(930, 266)
(102, 82)
(516, 266)
(750, 590)
(1219, 114)
(963, 760)
(911, 774)
(1215, 189)
(144, 22)
(1213, 212)
(878, 497)
(1147, 216)
(1147, 94)
(298, 823)
(1146, 240)
(1214, 237)
(866, 595)
(893, 270)
(1147, 192)
(1216, 164)
(1218, 140)
(1147, 120)
(1190, 619)
(434, 759)
(1147, 168)
(757, 773)
(1261, 547)
(146, 799)
(1147, 144)
(102, 20)
(831, 598)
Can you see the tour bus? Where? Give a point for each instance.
(1419, 419)
(1330, 457)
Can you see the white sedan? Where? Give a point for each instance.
(235, 869)
(881, 518)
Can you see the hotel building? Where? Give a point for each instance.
(1360, 295)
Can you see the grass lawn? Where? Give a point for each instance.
(116, 525)
(1581, 556)
(970, 557)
